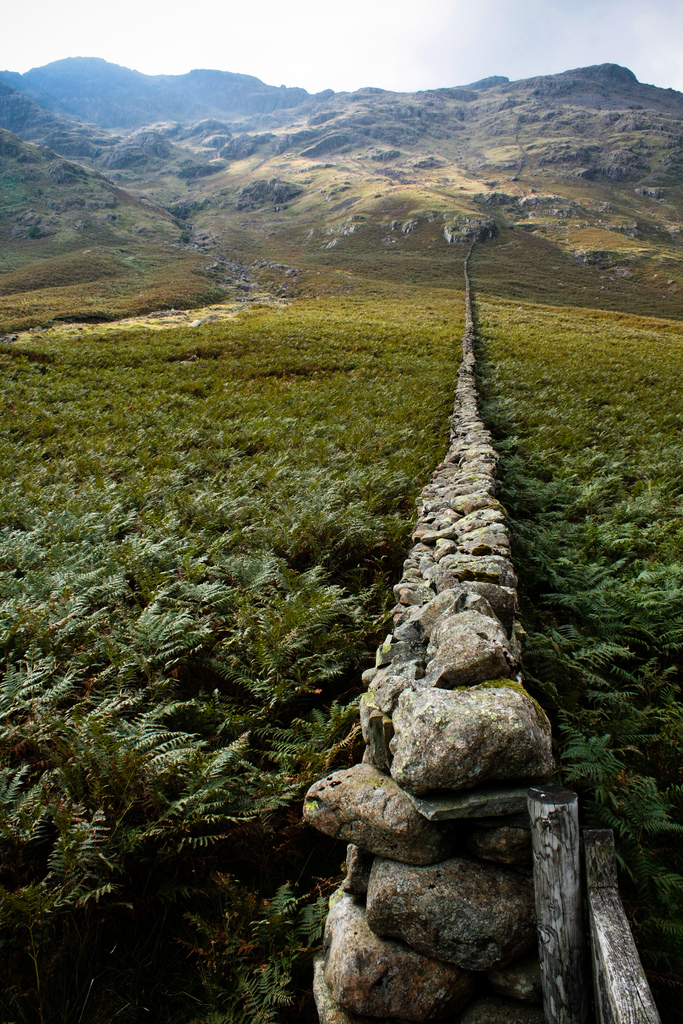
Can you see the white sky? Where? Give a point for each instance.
(318, 44)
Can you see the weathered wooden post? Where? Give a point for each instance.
(554, 816)
(622, 994)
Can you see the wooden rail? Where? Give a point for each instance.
(622, 994)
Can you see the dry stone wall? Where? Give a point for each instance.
(435, 919)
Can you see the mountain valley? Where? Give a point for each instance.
(579, 173)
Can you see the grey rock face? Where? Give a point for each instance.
(468, 647)
(462, 912)
(521, 980)
(368, 809)
(358, 865)
(496, 1010)
(381, 978)
(459, 739)
(506, 844)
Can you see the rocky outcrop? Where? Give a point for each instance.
(383, 978)
(460, 911)
(436, 813)
(254, 195)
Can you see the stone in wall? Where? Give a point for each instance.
(461, 568)
(459, 739)
(466, 504)
(422, 618)
(418, 623)
(377, 730)
(520, 980)
(468, 647)
(330, 1012)
(506, 842)
(358, 866)
(383, 978)
(503, 601)
(459, 911)
(486, 541)
(368, 809)
(391, 680)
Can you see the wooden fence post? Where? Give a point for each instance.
(554, 816)
(622, 994)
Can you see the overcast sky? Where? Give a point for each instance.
(397, 44)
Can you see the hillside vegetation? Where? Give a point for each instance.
(586, 408)
(199, 535)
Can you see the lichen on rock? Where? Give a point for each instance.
(458, 739)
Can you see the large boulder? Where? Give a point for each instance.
(458, 739)
(460, 911)
(368, 809)
(382, 978)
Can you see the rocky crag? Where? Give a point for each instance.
(435, 918)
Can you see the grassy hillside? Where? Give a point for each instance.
(199, 530)
(586, 407)
(75, 247)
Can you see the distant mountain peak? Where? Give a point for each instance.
(608, 73)
(487, 83)
(113, 96)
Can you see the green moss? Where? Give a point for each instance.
(513, 684)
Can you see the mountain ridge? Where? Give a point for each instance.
(114, 96)
(583, 169)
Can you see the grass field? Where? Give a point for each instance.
(199, 529)
(587, 410)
